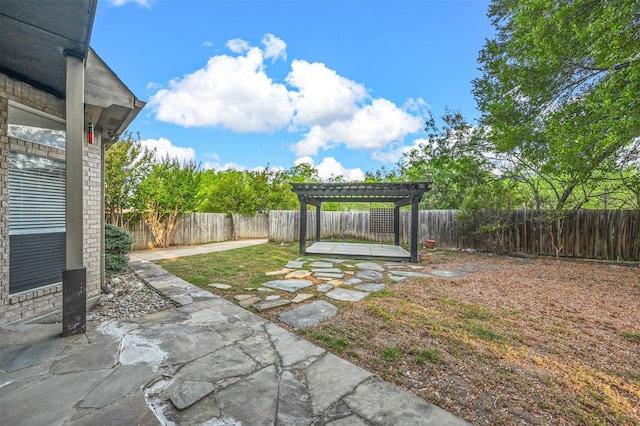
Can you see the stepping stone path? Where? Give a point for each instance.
(366, 280)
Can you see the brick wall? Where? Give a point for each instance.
(41, 301)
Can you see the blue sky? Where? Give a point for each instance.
(342, 84)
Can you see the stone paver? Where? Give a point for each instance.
(370, 287)
(309, 314)
(300, 273)
(323, 288)
(447, 274)
(295, 264)
(270, 304)
(346, 295)
(411, 274)
(220, 286)
(321, 265)
(328, 275)
(282, 271)
(369, 275)
(301, 297)
(288, 285)
(327, 271)
(370, 266)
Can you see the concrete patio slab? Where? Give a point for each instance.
(359, 251)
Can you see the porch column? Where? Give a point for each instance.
(74, 278)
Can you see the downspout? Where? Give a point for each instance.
(103, 149)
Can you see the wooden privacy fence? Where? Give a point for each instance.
(200, 228)
(594, 234)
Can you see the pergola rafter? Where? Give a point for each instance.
(399, 193)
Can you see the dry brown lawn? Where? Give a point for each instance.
(520, 341)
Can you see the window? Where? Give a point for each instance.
(36, 221)
(34, 126)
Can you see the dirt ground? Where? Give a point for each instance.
(514, 341)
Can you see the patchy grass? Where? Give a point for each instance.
(239, 268)
(519, 342)
(391, 355)
(385, 292)
(631, 336)
(433, 356)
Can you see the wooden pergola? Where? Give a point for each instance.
(399, 193)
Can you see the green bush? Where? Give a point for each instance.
(117, 246)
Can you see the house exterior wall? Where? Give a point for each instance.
(45, 300)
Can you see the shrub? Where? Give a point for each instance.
(117, 246)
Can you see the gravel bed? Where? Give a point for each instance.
(127, 296)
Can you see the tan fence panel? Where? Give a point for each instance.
(595, 234)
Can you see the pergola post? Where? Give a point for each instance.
(415, 201)
(303, 224)
(318, 210)
(396, 225)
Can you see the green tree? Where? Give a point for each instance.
(227, 191)
(456, 158)
(303, 173)
(168, 189)
(126, 162)
(559, 92)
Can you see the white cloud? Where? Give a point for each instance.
(395, 153)
(237, 45)
(330, 168)
(119, 3)
(207, 43)
(220, 167)
(164, 148)
(323, 96)
(303, 160)
(372, 127)
(274, 48)
(235, 92)
(232, 92)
